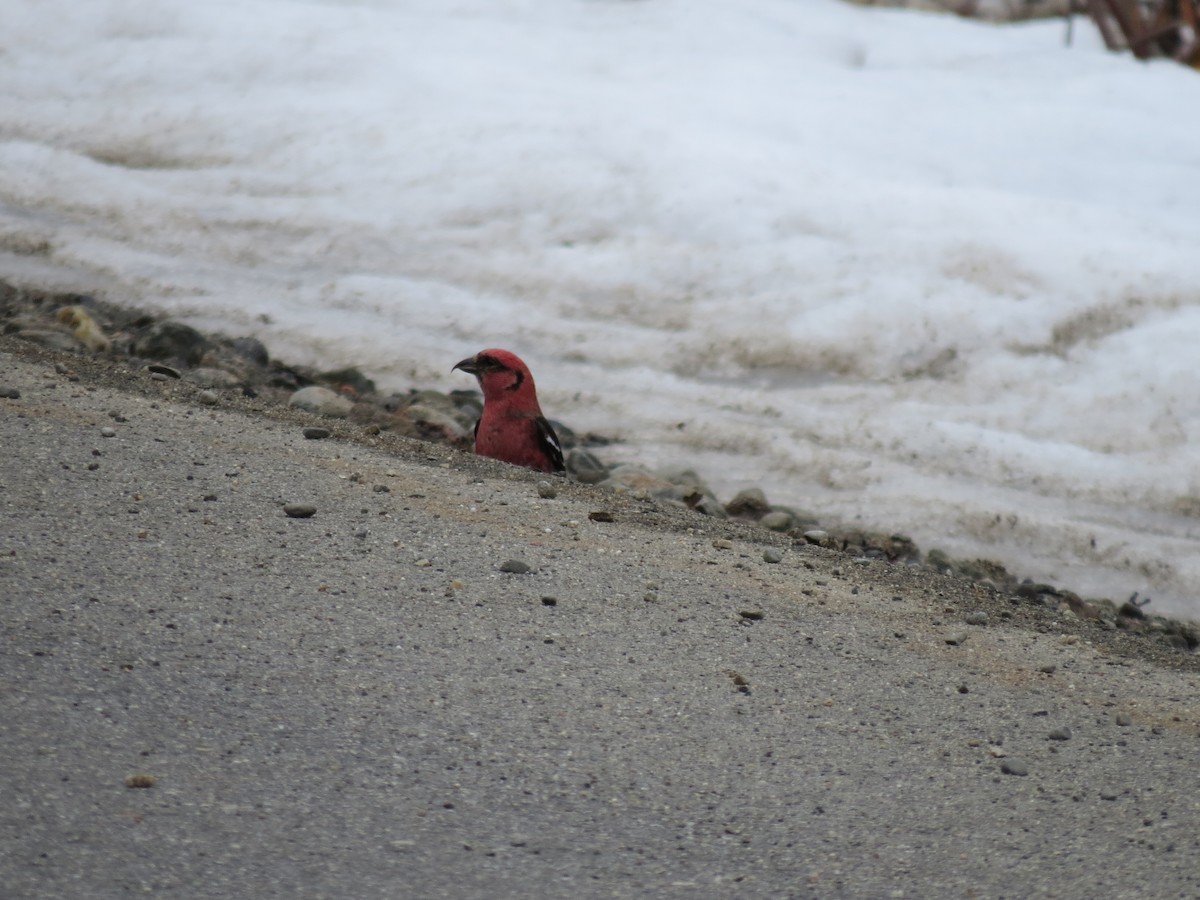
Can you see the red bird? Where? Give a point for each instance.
(512, 427)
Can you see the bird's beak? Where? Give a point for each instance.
(468, 365)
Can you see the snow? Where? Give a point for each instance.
(902, 269)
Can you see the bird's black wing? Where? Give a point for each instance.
(550, 444)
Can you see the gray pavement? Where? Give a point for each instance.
(361, 704)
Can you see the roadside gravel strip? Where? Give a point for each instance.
(429, 677)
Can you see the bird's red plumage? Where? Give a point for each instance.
(512, 427)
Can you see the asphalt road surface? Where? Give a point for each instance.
(201, 696)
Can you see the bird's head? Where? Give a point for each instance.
(499, 373)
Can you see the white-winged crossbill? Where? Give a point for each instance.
(512, 427)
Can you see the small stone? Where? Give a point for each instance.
(108, 431)
(515, 567)
(423, 563)
(1014, 766)
(772, 555)
(159, 376)
(93, 466)
(252, 349)
(753, 615)
(1123, 720)
(315, 433)
(351, 378)
(140, 780)
(546, 490)
(171, 340)
(723, 544)
(160, 369)
(816, 536)
(362, 532)
(601, 515)
(963, 689)
(777, 521)
(208, 398)
(956, 639)
(1060, 734)
(549, 601)
(321, 400)
(10, 393)
(299, 510)
(213, 378)
(976, 617)
(381, 489)
(586, 467)
(748, 504)
(1048, 669)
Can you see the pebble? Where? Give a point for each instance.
(772, 555)
(1060, 734)
(252, 349)
(954, 640)
(108, 431)
(586, 467)
(707, 505)
(600, 515)
(208, 398)
(431, 421)
(381, 489)
(315, 433)
(777, 521)
(1012, 766)
(10, 393)
(748, 504)
(1048, 669)
(209, 377)
(1123, 720)
(723, 544)
(159, 376)
(816, 536)
(753, 615)
(546, 490)
(171, 340)
(160, 369)
(299, 510)
(515, 567)
(549, 601)
(321, 400)
(976, 617)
